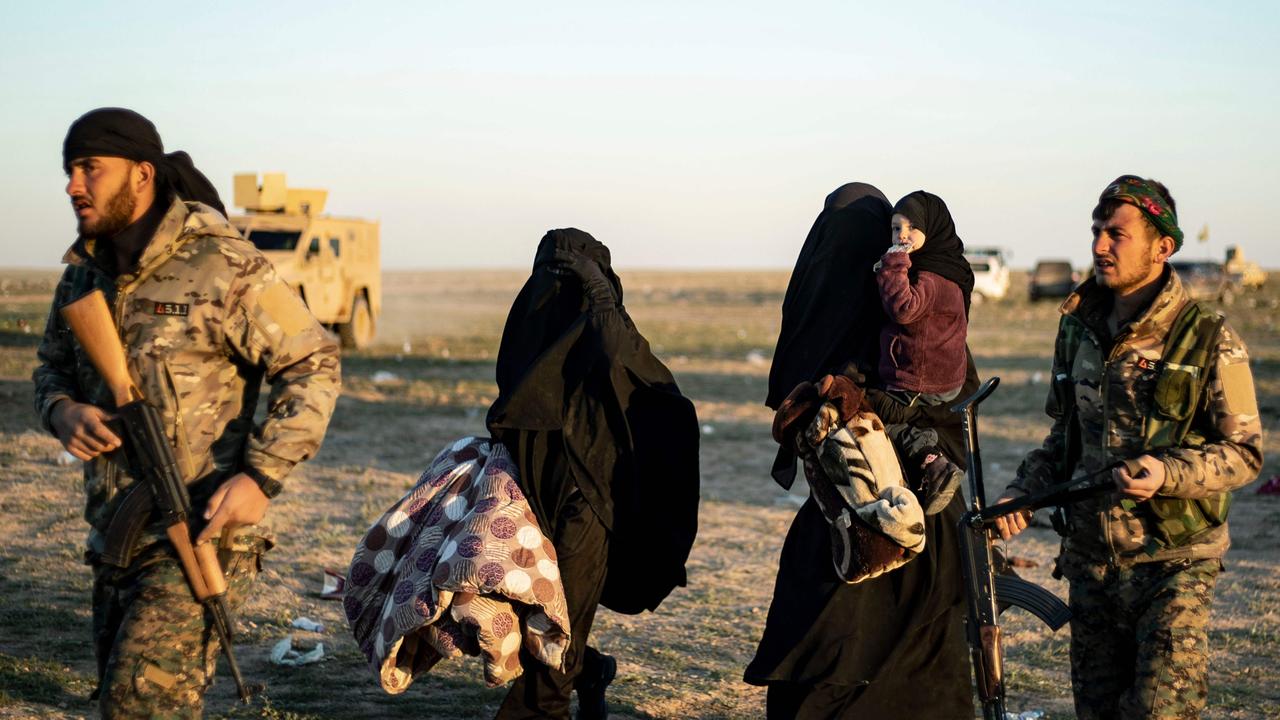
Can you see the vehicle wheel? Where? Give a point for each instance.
(358, 333)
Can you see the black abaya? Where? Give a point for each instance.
(892, 646)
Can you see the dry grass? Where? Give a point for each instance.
(439, 334)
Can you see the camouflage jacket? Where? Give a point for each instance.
(204, 318)
(1113, 382)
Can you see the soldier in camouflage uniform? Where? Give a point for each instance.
(1142, 561)
(204, 319)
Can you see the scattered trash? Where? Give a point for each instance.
(407, 348)
(384, 376)
(66, 458)
(708, 429)
(24, 326)
(306, 623)
(333, 585)
(757, 357)
(742, 333)
(1271, 486)
(1037, 377)
(1024, 715)
(284, 654)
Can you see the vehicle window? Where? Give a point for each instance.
(274, 239)
(336, 246)
(314, 247)
(979, 267)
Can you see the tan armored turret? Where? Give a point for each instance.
(333, 263)
(1244, 273)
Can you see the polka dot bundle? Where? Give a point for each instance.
(457, 566)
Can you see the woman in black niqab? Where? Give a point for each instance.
(605, 444)
(892, 646)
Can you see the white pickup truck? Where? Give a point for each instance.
(990, 273)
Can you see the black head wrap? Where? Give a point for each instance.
(848, 193)
(117, 132)
(831, 314)
(583, 400)
(943, 251)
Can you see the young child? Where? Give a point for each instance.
(925, 283)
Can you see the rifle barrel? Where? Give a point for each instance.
(217, 607)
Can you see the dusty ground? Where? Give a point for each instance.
(437, 341)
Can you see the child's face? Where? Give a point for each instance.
(904, 234)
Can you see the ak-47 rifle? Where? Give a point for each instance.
(152, 460)
(985, 589)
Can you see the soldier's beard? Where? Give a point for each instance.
(117, 215)
(1135, 275)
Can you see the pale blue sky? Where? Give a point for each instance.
(680, 134)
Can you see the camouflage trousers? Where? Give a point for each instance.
(156, 650)
(1139, 641)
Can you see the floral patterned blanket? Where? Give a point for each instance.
(457, 566)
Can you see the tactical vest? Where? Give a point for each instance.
(1184, 369)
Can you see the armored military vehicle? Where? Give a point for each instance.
(333, 263)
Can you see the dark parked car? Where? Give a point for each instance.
(1205, 280)
(1052, 278)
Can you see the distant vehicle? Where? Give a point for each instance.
(332, 263)
(1205, 280)
(990, 273)
(1052, 278)
(1244, 274)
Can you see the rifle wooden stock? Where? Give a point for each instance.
(91, 322)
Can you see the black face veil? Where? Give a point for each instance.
(831, 313)
(603, 414)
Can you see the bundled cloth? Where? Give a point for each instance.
(457, 566)
(854, 476)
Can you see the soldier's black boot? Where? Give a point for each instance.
(598, 670)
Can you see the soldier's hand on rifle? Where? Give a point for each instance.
(1143, 484)
(238, 501)
(83, 430)
(1010, 525)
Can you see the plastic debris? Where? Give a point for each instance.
(757, 357)
(66, 458)
(1037, 377)
(306, 623)
(708, 429)
(333, 584)
(1271, 486)
(284, 654)
(1024, 715)
(383, 376)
